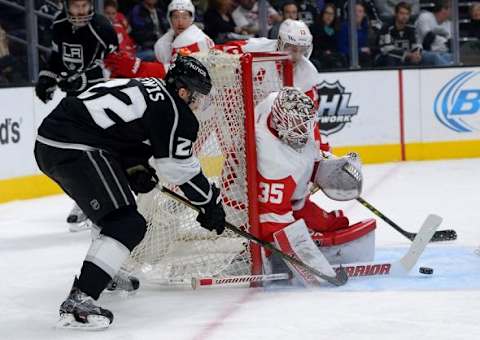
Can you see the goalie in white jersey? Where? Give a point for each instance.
(289, 160)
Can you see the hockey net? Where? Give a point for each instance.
(175, 247)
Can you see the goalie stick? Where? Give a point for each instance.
(406, 263)
(341, 276)
(440, 235)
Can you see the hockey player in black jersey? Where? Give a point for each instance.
(97, 147)
(80, 41)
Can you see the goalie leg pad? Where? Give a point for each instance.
(295, 241)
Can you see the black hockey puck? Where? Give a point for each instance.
(425, 270)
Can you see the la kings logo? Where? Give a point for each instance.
(72, 56)
(334, 110)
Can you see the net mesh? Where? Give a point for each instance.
(175, 246)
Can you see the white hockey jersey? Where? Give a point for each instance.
(193, 39)
(305, 75)
(283, 172)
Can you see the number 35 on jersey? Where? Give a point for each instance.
(275, 191)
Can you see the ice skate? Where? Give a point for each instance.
(77, 220)
(79, 311)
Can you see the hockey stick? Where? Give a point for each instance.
(441, 235)
(406, 263)
(229, 281)
(340, 279)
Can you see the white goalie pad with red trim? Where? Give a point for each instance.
(353, 244)
(296, 241)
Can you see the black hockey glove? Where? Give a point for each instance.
(142, 178)
(46, 85)
(76, 82)
(212, 215)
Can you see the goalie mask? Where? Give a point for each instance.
(79, 12)
(295, 38)
(293, 117)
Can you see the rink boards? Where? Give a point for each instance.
(386, 116)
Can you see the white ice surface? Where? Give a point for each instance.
(39, 257)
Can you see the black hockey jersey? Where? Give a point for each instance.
(133, 119)
(396, 43)
(77, 50)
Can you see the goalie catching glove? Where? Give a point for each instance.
(340, 178)
(142, 178)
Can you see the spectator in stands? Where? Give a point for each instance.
(52, 8)
(118, 17)
(386, 9)
(7, 62)
(325, 53)
(125, 42)
(219, 24)
(474, 27)
(148, 25)
(199, 13)
(306, 12)
(245, 16)
(398, 42)
(370, 9)
(364, 51)
(289, 11)
(434, 30)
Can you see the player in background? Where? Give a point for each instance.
(288, 161)
(97, 147)
(182, 36)
(295, 38)
(81, 39)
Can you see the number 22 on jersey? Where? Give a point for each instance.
(127, 102)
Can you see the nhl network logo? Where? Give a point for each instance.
(457, 105)
(334, 110)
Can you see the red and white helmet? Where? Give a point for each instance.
(295, 34)
(180, 5)
(293, 116)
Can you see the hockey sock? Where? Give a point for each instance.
(92, 280)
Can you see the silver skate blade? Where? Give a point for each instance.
(80, 226)
(95, 323)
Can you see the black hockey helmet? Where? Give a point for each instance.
(79, 20)
(186, 71)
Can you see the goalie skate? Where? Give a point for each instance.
(79, 311)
